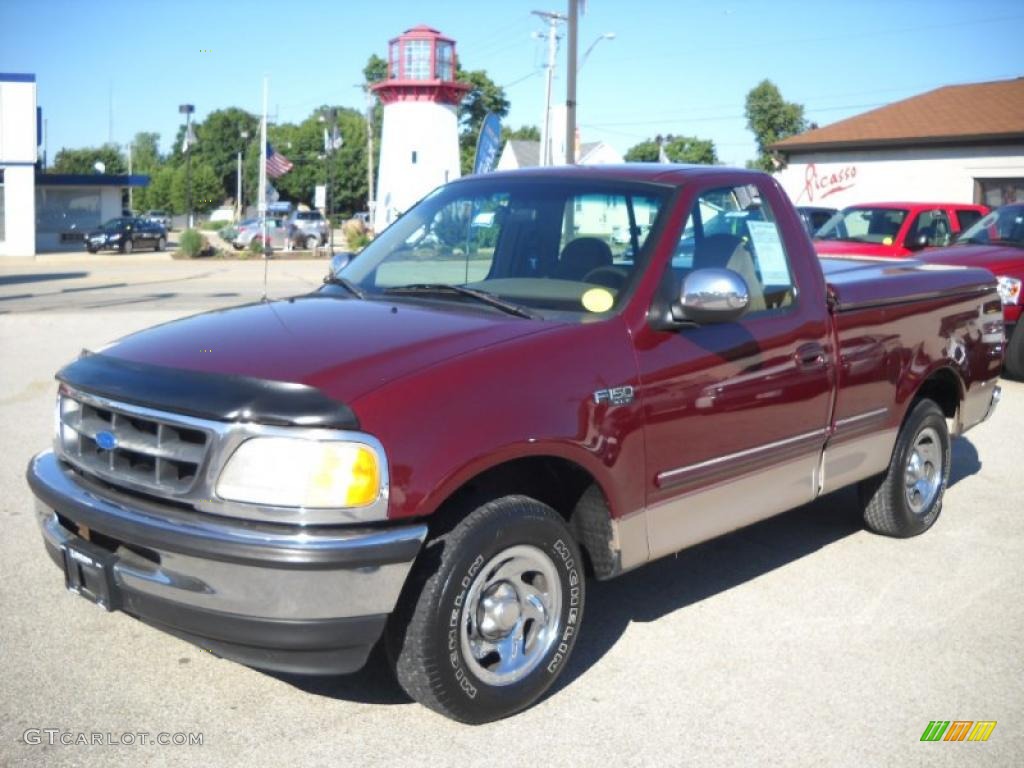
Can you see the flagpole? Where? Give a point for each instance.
(263, 185)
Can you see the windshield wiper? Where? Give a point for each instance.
(345, 283)
(482, 296)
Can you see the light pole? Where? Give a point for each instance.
(592, 46)
(187, 110)
(332, 142)
(239, 205)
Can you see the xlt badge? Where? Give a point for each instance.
(614, 396)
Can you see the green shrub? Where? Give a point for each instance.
(216, 226)
(191, 243)
(256, 247)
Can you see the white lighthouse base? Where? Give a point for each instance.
(419, 151)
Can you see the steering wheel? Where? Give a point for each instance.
(610, 277)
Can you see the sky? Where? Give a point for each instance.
(106, 69)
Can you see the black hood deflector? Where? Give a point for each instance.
(217, 396)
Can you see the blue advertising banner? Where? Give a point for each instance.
(488, 144)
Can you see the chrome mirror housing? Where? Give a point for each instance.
(711, 296)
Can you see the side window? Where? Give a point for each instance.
(734, 228)
(933, 226)
(967, 218)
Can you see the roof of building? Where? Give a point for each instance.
(527, 152)
(953, 114)
(91, 180)
(17, 77)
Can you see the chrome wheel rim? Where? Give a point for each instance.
(512, 615)
(922, 476)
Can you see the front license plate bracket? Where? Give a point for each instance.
(89, 572)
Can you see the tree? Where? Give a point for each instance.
(376, 69)
(207, 191)
(771, 119)
(145, 151)
(84, 160)
(678, 149)
(522, 133)
(158, 193)
(486, 96)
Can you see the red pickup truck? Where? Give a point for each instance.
(894, 230)
(493, 403)
(996, 243)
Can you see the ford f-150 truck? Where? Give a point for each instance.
(496, 401)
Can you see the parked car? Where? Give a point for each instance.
(439, 447)
(311, 228)
(163, 218)
(277, 233)
(127, 234)
(894, 230)
(222, 214)
(815, 217)
(996, 243)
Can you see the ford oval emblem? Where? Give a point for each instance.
(106, 440)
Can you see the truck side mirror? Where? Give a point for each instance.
(917, 243)
(711, 296)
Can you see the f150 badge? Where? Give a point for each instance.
(614, 396)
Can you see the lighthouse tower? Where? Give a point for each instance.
(420, 137)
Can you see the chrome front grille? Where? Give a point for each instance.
(130, 446)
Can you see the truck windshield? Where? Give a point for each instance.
(556, 246)
(1004, 226)
(864, 225)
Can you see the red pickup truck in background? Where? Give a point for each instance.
(496, 401)
(894, 230)
(996, 243)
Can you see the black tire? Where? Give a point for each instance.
(312, 242)
(434, 621)
(161, 243)
(887, 499)
(127, 246)
(1014, 362)
(92, 250)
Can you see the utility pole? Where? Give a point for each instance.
(131, 203)
(239, 206)
(371, 201)
(187, 110)
(570, 86)
(553, 20)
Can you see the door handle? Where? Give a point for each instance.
(810, 356)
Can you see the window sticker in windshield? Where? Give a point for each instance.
(771, 258)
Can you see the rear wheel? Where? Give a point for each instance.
(161, 243)
(1015, 352)
(491, 612)
(907, 499)
(312, 242)
(127, 246)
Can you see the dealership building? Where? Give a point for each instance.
(45, 211)
(958, 144)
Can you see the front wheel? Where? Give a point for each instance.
(312, 242)
(1015, 352)
(491, 612)
(127, 246)
(907, 499)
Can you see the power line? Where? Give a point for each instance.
(721, 118)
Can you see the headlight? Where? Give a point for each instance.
(293, 472)
(114, 236)
(1009, 290)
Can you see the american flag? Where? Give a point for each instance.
(277, 164)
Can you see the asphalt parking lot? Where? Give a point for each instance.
(803, 640)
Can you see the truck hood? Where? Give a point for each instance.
(844, 248)
(343, 347)
(999, 259)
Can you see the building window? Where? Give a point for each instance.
(997, 192)
(444, 62)
(66, 211)
(416, 64)
(3, 215)
(414, 157)
(394, 62)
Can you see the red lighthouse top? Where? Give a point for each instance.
(421, 67)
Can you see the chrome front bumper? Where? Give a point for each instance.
(270, 596)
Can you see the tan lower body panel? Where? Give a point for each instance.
(853, 460)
